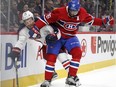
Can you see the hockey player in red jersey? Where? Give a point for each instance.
(68, 19)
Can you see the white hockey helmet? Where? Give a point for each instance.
(26, 15)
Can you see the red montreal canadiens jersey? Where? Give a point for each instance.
(67, 25)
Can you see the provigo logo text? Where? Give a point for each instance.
(101, 45)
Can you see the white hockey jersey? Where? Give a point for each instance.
(24, 36)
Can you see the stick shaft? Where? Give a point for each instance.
(16, 69)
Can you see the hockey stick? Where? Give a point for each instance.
(16, 70)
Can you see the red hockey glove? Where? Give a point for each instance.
(108, 21)
(15, 53)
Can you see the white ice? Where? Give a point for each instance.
(105, 77)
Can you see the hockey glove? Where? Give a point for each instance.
(55, 29)
(51, 38)
(34, 32)
(108, 21)
(15, 53)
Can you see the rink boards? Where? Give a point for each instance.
(99, 50)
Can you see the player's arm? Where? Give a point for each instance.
(16, 50)
(108, 21)
(90, 20)
(47, 19)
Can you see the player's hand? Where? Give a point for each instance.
(51, 38)
(15, 53)
(108, 21)
(34, 32)
(55, 29)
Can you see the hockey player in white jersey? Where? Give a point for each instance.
(47, 32)
(26, 33)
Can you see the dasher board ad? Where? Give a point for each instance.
(96, 47)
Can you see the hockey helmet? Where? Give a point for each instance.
(26, 15)
(73, 7)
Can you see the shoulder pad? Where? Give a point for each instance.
(35, 19)
(21, 26)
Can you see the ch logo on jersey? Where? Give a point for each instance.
(70, 26)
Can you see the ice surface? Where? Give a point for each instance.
(105, 77)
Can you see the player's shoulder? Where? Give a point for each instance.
(36, 19)
(82, 9)
(21, 26)
(60, 9)
(24, 31)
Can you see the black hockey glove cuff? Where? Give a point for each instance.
(55, 29)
